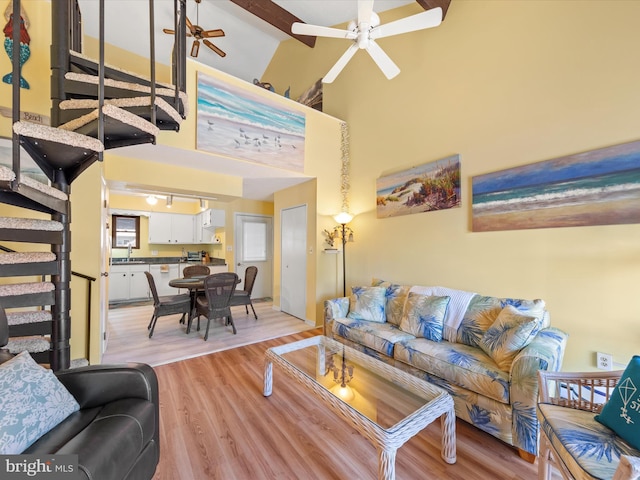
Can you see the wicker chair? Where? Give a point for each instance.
(243, 297)
(218, 289)
(167, 305)
(571, 440)
(195, 271)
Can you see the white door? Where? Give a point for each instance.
(293, 292)
(254, 246)
(105, 247)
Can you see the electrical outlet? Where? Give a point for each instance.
(604, 361)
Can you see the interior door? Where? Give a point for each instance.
(293, 271)
(254, 246)
(105, 247)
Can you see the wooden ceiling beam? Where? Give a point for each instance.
(275, 15)
(429, 4)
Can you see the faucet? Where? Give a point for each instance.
(129, 247)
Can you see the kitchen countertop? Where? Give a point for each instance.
(164, 261)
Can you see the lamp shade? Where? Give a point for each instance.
(152, 200)
(343, 218)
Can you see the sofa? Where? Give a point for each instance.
(485, 351)
(111, 420)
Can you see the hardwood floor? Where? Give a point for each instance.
(129, 338)
(216, 424)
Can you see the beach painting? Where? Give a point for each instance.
(598, 187)
(427, 187)
(243, 124)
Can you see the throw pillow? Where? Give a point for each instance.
(396, 297)
(424, 316)
(621, 413)
(368, 303)
(32, 402)
(510, 333)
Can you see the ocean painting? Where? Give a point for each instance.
(239, 123)
(427, 187)
(598, 187)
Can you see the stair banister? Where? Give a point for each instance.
(152, 62)
(15, 88)
(101, 81)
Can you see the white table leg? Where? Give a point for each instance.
(386, 464)
(268, 377)
(448, 422)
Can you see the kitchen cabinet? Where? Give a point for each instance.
(171, 228)
(161, 276)
(128, 282)
(213, 218)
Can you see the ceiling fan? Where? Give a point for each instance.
(366, 31)
(200, 33)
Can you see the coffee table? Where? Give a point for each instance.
(385, 404)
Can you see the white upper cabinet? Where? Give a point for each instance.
(171, 228)
(212, 218)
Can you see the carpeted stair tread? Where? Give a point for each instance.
(7, 174)
(13, 258)
(17, 223)
(79, 362)
(33, 344)
(25, 288)
(123, 103)
(115, 113)
(33, 316)
(57, 135)
(133, 87)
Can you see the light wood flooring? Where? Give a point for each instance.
(128, 337)
(216, 424)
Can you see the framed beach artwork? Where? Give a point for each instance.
(598, 187)
(243, 124)
(427, 187)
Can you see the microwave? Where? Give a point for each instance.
(194, 256)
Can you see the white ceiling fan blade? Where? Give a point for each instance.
(318, 31)
(365, 9)
(340, 64)
(383, 60)
(430, 18)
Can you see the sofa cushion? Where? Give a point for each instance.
(380, 337)
(32, 402)
(396, 296)
(459, 364)
(368, 303)
(483, 311)
(510, 333)
(123, 428)
(424, 316)
(582, 442)
(621, 413)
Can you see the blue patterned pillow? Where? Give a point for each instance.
(32, 402)
(367, 303)
(424, 316)
(510, 333)
(622, 412)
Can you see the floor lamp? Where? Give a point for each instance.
(343, 218)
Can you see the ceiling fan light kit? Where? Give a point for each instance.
(364, 33)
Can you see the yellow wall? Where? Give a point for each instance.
(503, 84)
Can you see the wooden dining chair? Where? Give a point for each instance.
(243, 297)
(166, 305)
(218, 289)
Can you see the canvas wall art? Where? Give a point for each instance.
(427, 187)
(239, 123)
(598, 187)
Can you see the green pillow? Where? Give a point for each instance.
(424, 316)
(368, 303)
(622, 412)
(32, 402)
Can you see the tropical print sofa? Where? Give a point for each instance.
(485, 351)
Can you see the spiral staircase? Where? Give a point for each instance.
(94, 107)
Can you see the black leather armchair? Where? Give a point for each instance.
(116, 432)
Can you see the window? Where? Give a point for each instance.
(126, 231)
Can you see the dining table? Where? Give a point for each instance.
(194, 285)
